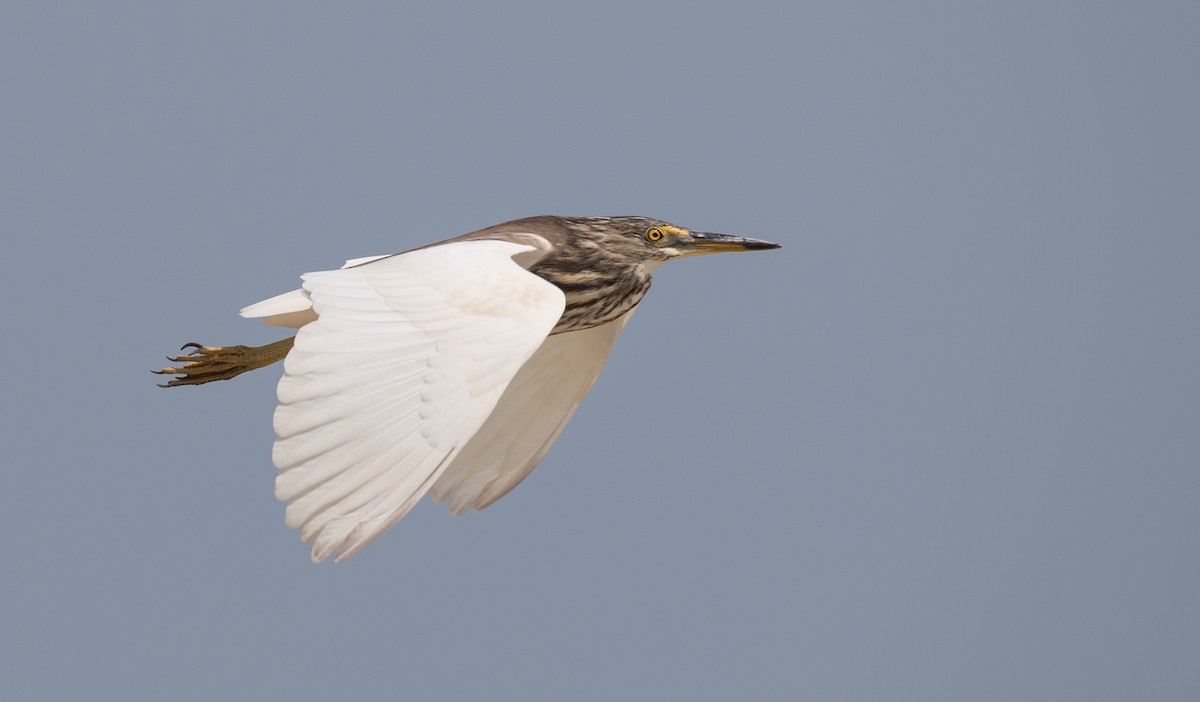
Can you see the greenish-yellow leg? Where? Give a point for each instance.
(204, 364)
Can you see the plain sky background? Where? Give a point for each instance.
(944, 445)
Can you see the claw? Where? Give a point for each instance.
(204, 364)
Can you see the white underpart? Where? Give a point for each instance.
(406, 360)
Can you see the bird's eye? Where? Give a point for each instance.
(654, 234)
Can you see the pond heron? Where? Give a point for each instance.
(449, 369)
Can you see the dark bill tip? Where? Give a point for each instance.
(707, 242)
(760, 244)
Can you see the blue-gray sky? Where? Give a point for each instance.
(942, 446)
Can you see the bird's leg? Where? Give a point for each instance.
(204, 364)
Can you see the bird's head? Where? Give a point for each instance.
(653, 241)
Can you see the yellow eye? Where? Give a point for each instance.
(654, 234)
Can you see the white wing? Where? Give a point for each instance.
(294, 309)
(406, 360)
(529, 417)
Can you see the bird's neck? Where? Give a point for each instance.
(596, 294)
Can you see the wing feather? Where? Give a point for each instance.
(408, 356)
(294, 309)
(532, 412)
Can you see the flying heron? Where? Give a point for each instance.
(449, 369)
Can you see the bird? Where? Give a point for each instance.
(448, 369)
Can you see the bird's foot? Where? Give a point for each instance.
(204, 364)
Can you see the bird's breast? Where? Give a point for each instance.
(594, 298)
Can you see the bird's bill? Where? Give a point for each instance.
(697, 243)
